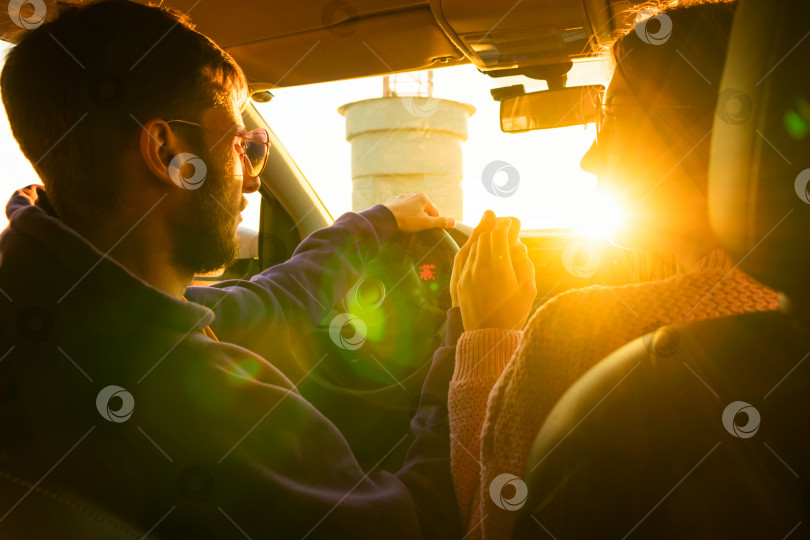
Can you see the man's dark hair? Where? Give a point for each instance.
(76, 88)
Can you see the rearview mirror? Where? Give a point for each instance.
(577, 105)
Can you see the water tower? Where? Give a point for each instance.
(406, 142)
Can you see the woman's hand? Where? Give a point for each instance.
(486, 224)
(496, 287)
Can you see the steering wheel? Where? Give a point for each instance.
(378, 343)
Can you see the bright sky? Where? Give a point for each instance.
(553, 190)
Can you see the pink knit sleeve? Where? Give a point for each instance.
(481, 356)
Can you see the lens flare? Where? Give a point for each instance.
(600, 216)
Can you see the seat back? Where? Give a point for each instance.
(759, 178)
(707, 441)
(36, 511)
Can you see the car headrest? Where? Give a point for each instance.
(759, 178)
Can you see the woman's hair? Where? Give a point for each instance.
(653, 265)
(672, 61)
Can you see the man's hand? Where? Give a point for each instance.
(496, 288)
(414, 212)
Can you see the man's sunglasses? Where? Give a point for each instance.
(254, 146)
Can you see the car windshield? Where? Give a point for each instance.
(553, 192)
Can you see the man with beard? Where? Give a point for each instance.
(119, 383)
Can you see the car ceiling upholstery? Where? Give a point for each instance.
(280, 43)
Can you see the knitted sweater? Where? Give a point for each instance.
(506, 382)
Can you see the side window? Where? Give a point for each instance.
(247, 264)
(17, 170)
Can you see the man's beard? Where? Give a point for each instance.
(204, 237)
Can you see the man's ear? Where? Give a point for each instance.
(158, 146)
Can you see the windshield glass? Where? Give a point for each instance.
(553, 192)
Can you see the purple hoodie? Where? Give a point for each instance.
(110, 390)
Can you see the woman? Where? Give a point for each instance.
(652, 152)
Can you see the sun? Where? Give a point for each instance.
(599, 217)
